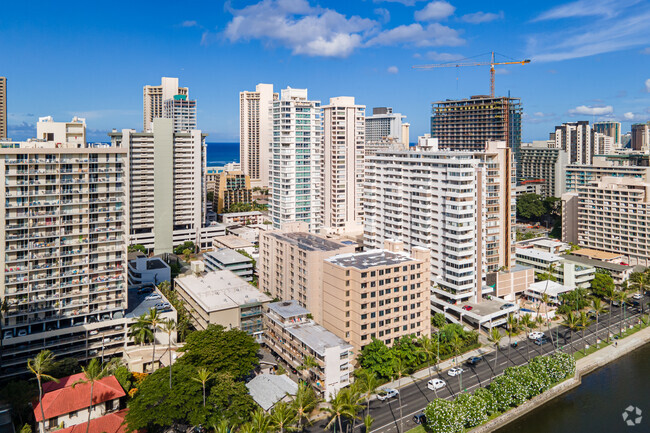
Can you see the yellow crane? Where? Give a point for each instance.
(491, 63)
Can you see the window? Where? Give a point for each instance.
(52, 422)
(109, 405)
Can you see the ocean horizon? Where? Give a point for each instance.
(219, 154)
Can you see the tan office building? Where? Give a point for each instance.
(256, 132)
(3, 108)
(343, 157)
(291, 265)
(231, 187)
(383, 294)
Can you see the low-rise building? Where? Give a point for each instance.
(383, 294)
(147, 270)
(291, 334)
(222, 298)
(554, 290)
(234, 243)
(231, 260)
(244, 218)
(269, 389)
(65, 403)
(111, 423)
(509, 283)
(249, 233)
(568, 273)
(618, 272)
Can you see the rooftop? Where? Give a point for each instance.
(138, 305)
(227, 256)
(369, 259)
(308, 242)
(241, 214)
(233, 242)
(110, 423)
(316, 337)
(62, 398)
(548, 243)
(537, 254)
(597, 254)
(551, 288)
(288, 309)
(220, 290)
(584, 260)
(268, 389)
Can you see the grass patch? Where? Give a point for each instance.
(592, 349)
(418, 429)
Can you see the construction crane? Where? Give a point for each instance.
(491, 63)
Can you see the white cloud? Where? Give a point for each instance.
(628, 116)
(592, 111)
(392, 70)
(404, 2)
(502, 71)
(435, 11)
(383, 13)
(585, 8)
(645, 50)
(434, 34)
(312, 31)
(647, 85)
(189, 23)
(481, 17)
(444, 57)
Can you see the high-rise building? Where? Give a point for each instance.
(182, 111)
(610, 129)
(291, 265)
(641, 137)
(256, 132)
(459, 205)
(295, 173)
(468, 124)
(385, 128)
(154, 97)
(71, 133)
(167, 195)
(623, 165)
(343, 162)
(540, 160)
(3, 108)
(231, 187)
(581, 142)
(383, 294)
(63, 249)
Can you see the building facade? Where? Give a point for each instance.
(610, 129)
(71, 134)
(295, 174)
(291, 334)
(182, 111)
(231, 187)
(623, 165)
(256, 132)
(582, 142)
(468, 124)
(343, 165)
(640, 140)
(227, 259)
(384, 127)
(540, 161)
(154, 97)
(3, 108)
(290, 266)
(383, 294)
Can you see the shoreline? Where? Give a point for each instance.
(584, 366)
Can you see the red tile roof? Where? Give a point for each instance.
(61, 398)
(111, 423)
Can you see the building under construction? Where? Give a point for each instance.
(468, 124)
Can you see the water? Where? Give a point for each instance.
(597, 405)
(219, 154)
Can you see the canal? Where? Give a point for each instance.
(598, 404)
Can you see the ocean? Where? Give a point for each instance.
(219, 154)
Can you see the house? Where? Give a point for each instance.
(65, 405)
(111, 423)
(269, 389)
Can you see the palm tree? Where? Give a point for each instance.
(39, 366)
(154, 321)
(202, 376)
(399, 368)
(456, 343)
(169, 326)
(511, 325)
(583, 322)
(308, 362)
(571, 322)
(283, 416)
(622, 298)
(547, 300)
(610, 294)
(93, 372)
(141, 332)
(640, 281)
(367, 422)
(599, 309)
(304, 402)
(428, 349)
(527, 323)
(369, 383)
(222, 427)
(260, 421)
(246, 428)
(339, 407)
(495, 338)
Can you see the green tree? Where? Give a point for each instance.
(473, 408)
(93, 372)
(233, 351)
(124, 377)
(20, 394)
(40, 366)
(137, 247)
(229, 399)
(202, 376)
(141, 332)
(495, 338)
(438, 320)
(187, 245)
(571, 321)
(339, 407)
(443, 417)
(599, 308)
(602, 284)
(26, 428)
(367, 423)
(368, 384)
(168, 327)
(153, 321)
(553, 206)
(530, 206)
(429, 350)
(65, 367)
(640, 282)
(187, 254)
(260, 421)
(283, 416)
(399, 370)
(304, 402)
(377, 358)
(527, 322)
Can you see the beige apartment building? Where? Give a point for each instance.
(3, 108)
(63, 249)
(154, 97)
(231, 187)
(291, 265)
(343, 158)
(256, 132)
(383, 294)
(540, 160)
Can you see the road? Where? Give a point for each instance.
(415, 396)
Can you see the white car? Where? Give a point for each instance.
(535, 335)
(152, 297)
(435, 384)
(455, 371)
(387, 393)
(637, 296)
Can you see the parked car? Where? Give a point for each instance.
(163, 305)
(152, 297)
(467, 307)
(535, 335)
(93, 332)
(144, 290)
(541, 341)
(435, 384)
(420, 418)
(637, 296)
(506, 306)
(387, 393)
(474, 360)
(455, 371)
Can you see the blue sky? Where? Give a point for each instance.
(590, 58)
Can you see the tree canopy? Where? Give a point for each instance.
(530, 206)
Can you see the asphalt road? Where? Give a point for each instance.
(415, 396)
